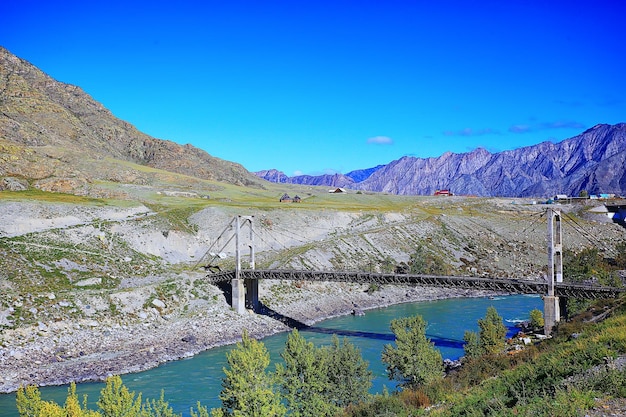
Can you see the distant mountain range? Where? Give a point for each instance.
(594, 161)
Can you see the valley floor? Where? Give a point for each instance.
(90, 291)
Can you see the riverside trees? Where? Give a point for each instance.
(115, 401)
(248, 389)
(313, 381)
(414, 360)
(318, 382)
(489, 339)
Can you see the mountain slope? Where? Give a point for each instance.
(593, 161)
(51, 129)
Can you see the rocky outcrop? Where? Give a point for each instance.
(13, 184)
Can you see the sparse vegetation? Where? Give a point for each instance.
(592, 266)
(423, 261)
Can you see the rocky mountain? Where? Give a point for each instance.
(57, 137)
(594, 161)
(334, 180)
(348, 180)
(362, 174)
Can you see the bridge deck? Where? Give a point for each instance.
(511, 286)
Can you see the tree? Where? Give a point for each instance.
(30, 404)
(73, 408)
(492, 332)
(472, 346)
(536, 319)
(202, 411)
(29, 401)
(414, 360)
(303, 378)
(116, 401)
(248, 389)
(158, 408)
(348, 374)
(424, 261)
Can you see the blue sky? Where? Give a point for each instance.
(332, 86)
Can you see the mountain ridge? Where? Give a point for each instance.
(592, 161)
(55, 131)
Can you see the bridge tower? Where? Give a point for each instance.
(245, 291)
(551, 310)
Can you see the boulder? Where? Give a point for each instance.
(13, 184)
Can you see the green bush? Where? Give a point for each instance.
(536, 319)
(379, 406)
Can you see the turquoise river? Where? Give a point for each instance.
(188, 381)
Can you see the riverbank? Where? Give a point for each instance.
(88, 350)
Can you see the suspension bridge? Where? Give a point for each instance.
(501, 285)
(245, 282)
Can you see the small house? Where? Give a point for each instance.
(446, 193)
(297, 199)
(337, 190)
(285, 198)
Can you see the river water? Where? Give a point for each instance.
(187, 381)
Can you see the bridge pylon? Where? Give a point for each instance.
(245, 292)
(551, 308)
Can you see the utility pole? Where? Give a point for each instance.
(551, 310)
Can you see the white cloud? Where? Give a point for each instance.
(468, 131)
(380, 140)
(559, 124)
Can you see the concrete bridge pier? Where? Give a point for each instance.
(551, 313)
(245, 295)
(238, 295)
